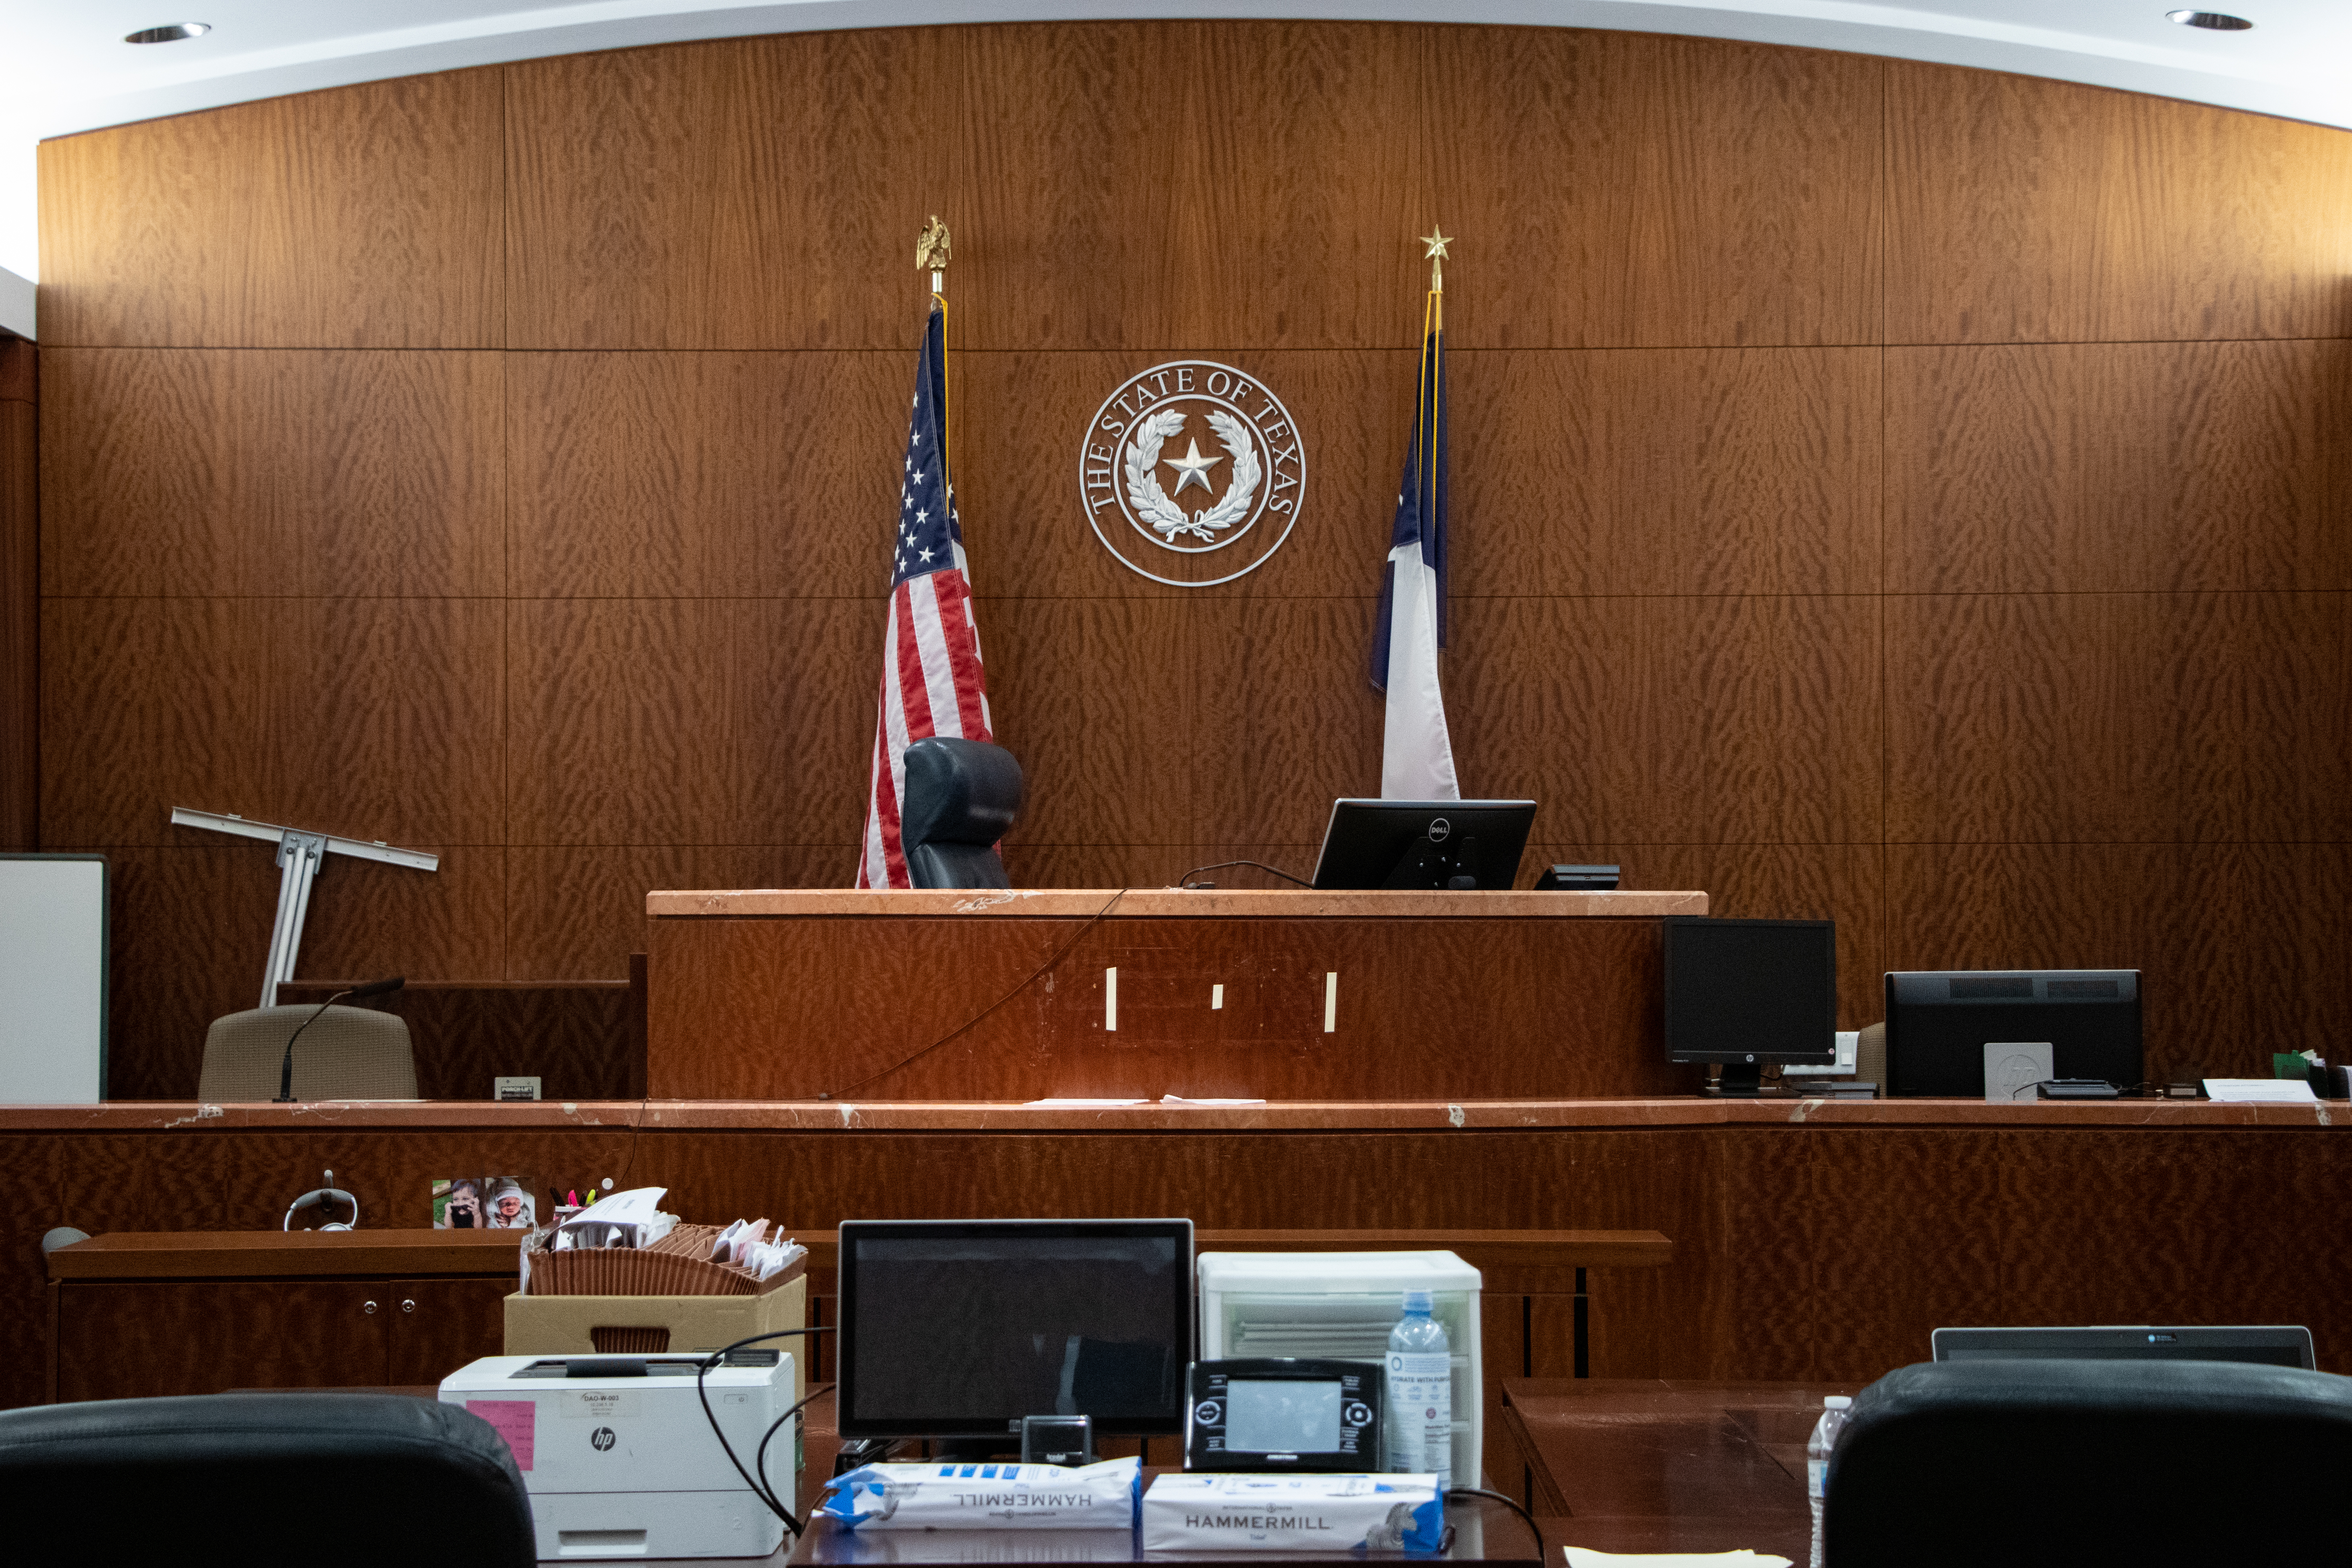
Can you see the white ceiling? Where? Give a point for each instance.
(68, 69)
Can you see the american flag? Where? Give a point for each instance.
(932, 677)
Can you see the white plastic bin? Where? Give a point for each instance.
(1344, 1304)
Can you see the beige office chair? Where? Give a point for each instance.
(351, 1053)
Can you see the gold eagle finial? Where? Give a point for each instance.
(931, 245)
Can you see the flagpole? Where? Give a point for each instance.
(933, 250)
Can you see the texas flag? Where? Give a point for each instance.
(1416, 752)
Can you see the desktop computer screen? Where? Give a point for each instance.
(1744, 993)
(1938, 1023)
(960, 1328)
(2278, 1346)
(1442, 845)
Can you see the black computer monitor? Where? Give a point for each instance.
(960, 1328)
(1744, 993)
(1938, 1023)
(2266, 1346)
(1462, 845)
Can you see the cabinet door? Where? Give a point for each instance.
(135, 1340)
(439, 1325)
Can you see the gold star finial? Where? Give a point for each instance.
(1437, 239)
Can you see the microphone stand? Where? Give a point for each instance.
(286, 1071)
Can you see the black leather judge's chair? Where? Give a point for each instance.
(2048, 1462)
(293, 1477)
(961, 798)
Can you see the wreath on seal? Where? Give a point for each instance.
(1165, 517)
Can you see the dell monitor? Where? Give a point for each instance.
(1446, 845)
(1744, 993)
(1940, 1022)
(961, 1328)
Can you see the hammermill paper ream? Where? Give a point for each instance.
(986, 1496)
(1293, 1513)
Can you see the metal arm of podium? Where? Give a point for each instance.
(299, 854)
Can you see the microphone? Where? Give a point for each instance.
(286, 1072)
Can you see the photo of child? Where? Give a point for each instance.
(484, 1203)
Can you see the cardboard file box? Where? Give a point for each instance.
(568, 1325)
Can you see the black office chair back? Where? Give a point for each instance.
(293, 1477)
(2141, 1462)
(961, 798)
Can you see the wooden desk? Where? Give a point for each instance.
(1651, 1465)
(135, 1314)
(1293, 995)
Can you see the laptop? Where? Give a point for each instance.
(2263, 1346)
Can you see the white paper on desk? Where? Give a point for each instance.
(1079, 1104)
(1180, 1099)
(2260, 1091)
(1585, 1557)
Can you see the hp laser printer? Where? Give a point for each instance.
(619, 1458)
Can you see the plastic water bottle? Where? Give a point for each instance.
(1420, 1438)
(1817, 1458)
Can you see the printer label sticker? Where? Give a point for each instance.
(514, 1419)
(600, 1405)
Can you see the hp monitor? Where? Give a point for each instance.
(1940, 1022)
(1744, 993)
(961, 1328)
(2264, 1347)
(1457, 845)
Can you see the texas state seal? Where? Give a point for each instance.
(1191, 473)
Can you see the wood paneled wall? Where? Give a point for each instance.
(20, 609)
(1906, 494)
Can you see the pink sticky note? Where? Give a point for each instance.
(513, 1418)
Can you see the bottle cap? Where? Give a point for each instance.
(1837, 1402)
(1419, 1301)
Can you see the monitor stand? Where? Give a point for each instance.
(1740, 1079)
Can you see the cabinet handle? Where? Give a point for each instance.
(368, 1309)
(409, 1306)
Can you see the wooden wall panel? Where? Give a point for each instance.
(2240, 945)
(734, 195)
(1897, 1239)
(577, 911)
(20, 611)
(2103, 1229)
(359, 218)
(2069, 717)
(2031, 211)
(1627, 189)
(1095, 697)
(373, 718)
(690, 720)
(1664, 471)
(192, 472)
(706, 475)
(2087, 467)
(1288, 720)
(28, 1185)
(1664, 721)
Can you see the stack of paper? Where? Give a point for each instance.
(2260, 1091)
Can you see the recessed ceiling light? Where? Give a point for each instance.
(168, 35)
(2219, 21)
